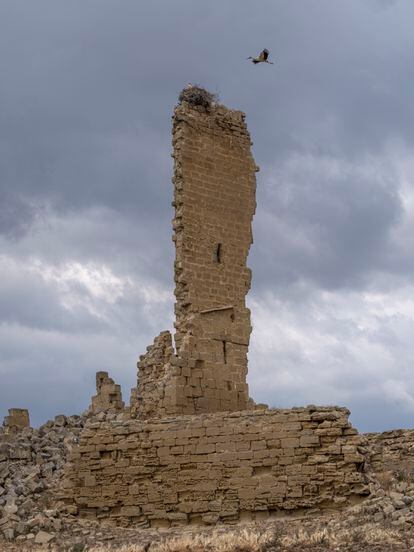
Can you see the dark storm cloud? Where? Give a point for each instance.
(101, 235)
(59, 323)
(333, 222)
(59, 363)
(86, 94)
(90, 88)
(17, 214)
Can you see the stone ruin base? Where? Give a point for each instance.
(32, 473)
(17, 420)
(220, 467)
(189, 449)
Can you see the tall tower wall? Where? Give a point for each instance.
(214, 199)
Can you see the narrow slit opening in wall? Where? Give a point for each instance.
(225, 352)
(218, 253)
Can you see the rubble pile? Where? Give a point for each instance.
(391, 474)
(31, 464)
(391, 501)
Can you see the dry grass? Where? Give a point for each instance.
(241, 541)
(404, 473)
(270, 540)
(365, 535)
(304, 537)
(386, 480)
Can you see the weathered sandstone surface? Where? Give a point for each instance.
(216, 467)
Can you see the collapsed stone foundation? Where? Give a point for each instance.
(17, 420)
(32, 463)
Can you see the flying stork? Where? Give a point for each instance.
(261, 58)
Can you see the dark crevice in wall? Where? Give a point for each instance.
(218, 253)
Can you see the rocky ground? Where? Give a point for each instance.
(31, 467)
(31, 464)
(31, 518)
(353, 532)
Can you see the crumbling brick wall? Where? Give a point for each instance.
(155, 370)
(108, 395)
(392, 451)
(216, 467)
(17, 420)
(214, 200)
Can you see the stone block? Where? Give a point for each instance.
(309, 441)
(289, 443)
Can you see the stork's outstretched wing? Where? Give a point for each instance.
(264, 54)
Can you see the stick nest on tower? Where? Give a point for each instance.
(197, 96)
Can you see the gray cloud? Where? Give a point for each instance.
(332, 221)
(87, 90)
(17, 214)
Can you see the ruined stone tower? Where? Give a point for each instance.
(167, 468)
(214, 200)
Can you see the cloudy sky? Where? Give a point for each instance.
(87, 88)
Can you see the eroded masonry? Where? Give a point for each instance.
(192, 447)
(214, 200)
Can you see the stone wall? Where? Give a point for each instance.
(214, 200)
(108, 395)
(216, 467)
(155, 370)
(17, 420)
(392, 451)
